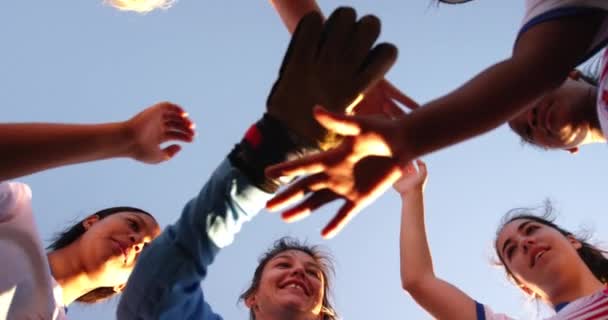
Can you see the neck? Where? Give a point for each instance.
(286, 314)
(70, 273)
(579, 285)
(588, 116)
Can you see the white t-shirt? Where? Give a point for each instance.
(593, 307)
(27, 289)
(602, 94)
(538, 11)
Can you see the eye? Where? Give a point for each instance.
(510, 251)
(315, 273)
(133, 225)
(283, 265)
(530, 229)
(534, 116)
(528, 134)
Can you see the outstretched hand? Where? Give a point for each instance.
(384, 99)
(158, 124)
(359, 170)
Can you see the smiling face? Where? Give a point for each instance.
(558, 119)
(292, 282)
(110, 246)
(536, 254)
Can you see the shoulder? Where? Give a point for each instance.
(13, 196)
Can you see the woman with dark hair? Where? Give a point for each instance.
(544, 260)
(92, 259)
(570, 116)
(291, 281)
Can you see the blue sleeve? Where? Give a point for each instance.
(165, 283)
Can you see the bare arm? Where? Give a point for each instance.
(439, 298)
(27, 148)
(541, 61)
(292, 11)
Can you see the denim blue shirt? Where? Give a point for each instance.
(166, 282)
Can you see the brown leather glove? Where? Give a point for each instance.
(327, 64)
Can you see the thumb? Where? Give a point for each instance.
(338, 123)
(170, 151)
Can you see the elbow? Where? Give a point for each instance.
(412, 284)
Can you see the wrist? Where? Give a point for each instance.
(121, 139)
(267, 142)
(414, 193)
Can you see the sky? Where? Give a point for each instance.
(85, 62)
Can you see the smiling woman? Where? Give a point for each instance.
(286, 273)
(544, 260)
(107, 243)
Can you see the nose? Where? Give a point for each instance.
(531, 117)
(137, 242)
(298, 270)
(527, 244)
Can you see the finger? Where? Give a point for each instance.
(421, 167)
(179, 128)
(311, 164)
(172, 107)
(179, 123)
(177, 136)
(336, 32)
(341, 124)
(176, 114)
(396, 94)
(366, 33)
(303, 44)
(391, 109)
(378, 62)
(296, 192)
(344, 215)
(171, 151)
(309, 205)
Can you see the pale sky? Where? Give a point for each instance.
(81, 61)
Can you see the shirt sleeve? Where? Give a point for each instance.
(485, 313)
(12, 196)
(165, 283)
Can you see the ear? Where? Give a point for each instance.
(574, 74)
(119, 288)
(90, 221)
(573, 150)
(576, 244)
(250, 301)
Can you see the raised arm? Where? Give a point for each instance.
(165, 282)
(31, 147)
(542, 59)
(439, 298)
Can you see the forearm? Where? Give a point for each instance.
(31, 147)
(484, 103)
(416, 261)
(161, 286)
(541, 61)
(440, 298)
(291, 11)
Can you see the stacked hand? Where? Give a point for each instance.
(158, 124)
(359, 170)
(413, 179)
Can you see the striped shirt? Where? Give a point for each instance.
(592, 307)
(538, 11)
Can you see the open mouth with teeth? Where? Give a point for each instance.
(297, 286)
